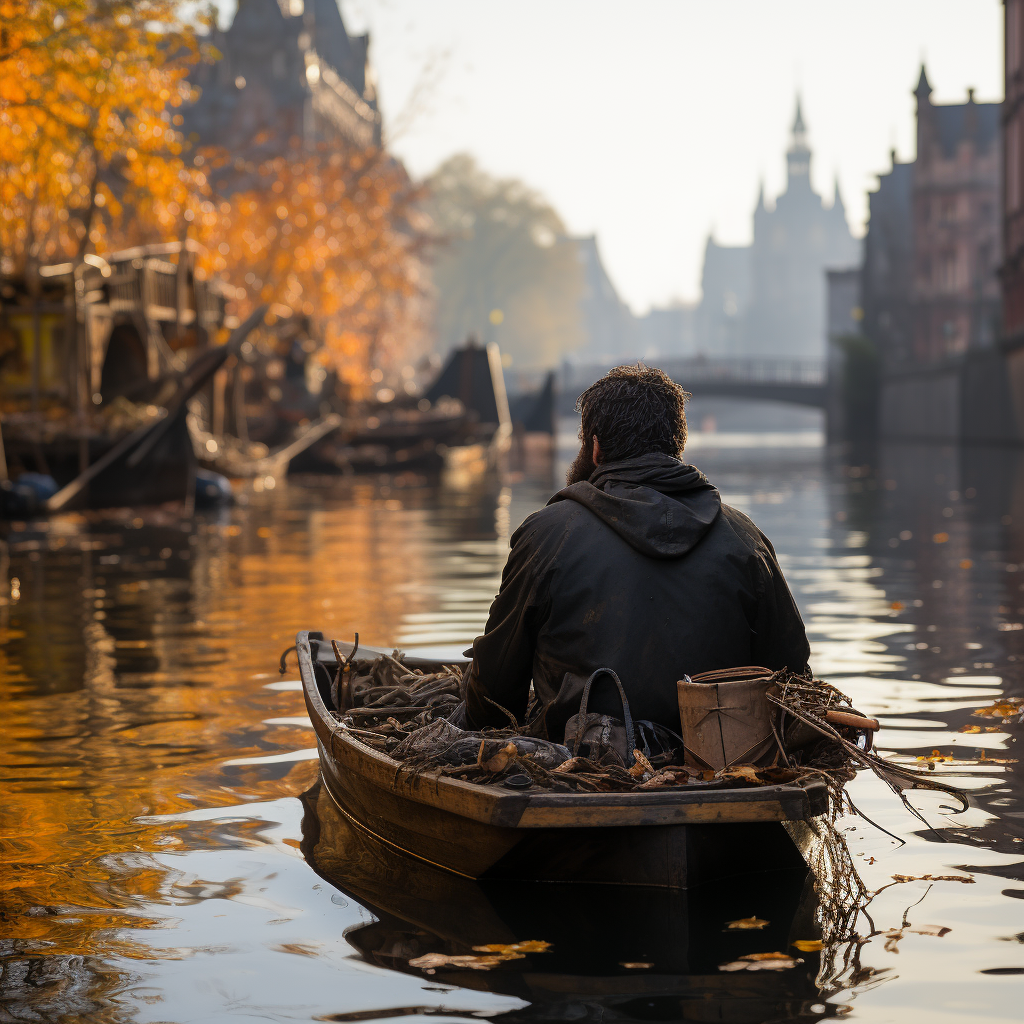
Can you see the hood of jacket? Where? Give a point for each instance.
(659, 505)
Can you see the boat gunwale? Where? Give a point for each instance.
(495, 805)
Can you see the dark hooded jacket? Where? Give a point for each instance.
(641, 569)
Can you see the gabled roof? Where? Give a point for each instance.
(956, 123)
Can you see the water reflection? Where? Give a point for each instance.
(152, 761)
(616, 953)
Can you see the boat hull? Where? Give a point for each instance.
(663, 856)
(670, 839)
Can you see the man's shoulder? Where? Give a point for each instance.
(743, 527)
(550, 521)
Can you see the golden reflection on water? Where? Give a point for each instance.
(151, 763)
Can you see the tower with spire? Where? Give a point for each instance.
(782, 279)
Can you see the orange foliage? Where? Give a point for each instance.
(329, 234)
(90, 160)
(87, 93)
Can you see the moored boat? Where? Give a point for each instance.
(672, 838)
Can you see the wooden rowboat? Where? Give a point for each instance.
(673, 839)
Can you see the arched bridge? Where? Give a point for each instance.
(799, 382)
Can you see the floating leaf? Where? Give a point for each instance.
(969, 728)
(762, 962)
(431, 961)
(1000, 709)
(748, 922)
(808, 945)
(995, 760)
(936, 757)
(527, 946)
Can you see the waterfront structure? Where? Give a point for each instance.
(288, 70)
(768, 299)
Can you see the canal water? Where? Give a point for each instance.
(166, 855)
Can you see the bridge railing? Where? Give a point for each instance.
(701, 370)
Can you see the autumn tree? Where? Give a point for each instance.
(500, 248)
(88, 92)
(328, 231)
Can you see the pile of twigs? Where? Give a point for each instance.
(404, 712)
(807, 702)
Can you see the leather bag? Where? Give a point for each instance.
(726, 718)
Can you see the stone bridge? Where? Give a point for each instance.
(797, 382)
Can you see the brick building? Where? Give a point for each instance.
(955, 197)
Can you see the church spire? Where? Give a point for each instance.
(798, 156)
(924, 89)
(799, 128)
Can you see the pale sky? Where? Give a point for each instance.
(650, 123)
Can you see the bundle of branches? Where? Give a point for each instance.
(404, 712)
(382, 701)
(814, 706)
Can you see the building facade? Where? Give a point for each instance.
(768, 299)
(288, 71)
(955, 210)
(887, 271)
(1012, 270)
(930, 290)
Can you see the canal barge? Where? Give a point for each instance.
(670, 839)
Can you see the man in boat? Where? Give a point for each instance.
(636, 565)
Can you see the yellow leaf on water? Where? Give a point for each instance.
(431, 961)
(527, 946)
(999, 709)
(969, 728)
(809, 945)
(748, 922)
(762, 962)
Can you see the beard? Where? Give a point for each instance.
(582, 466)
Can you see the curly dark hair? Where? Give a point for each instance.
(634, 410)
